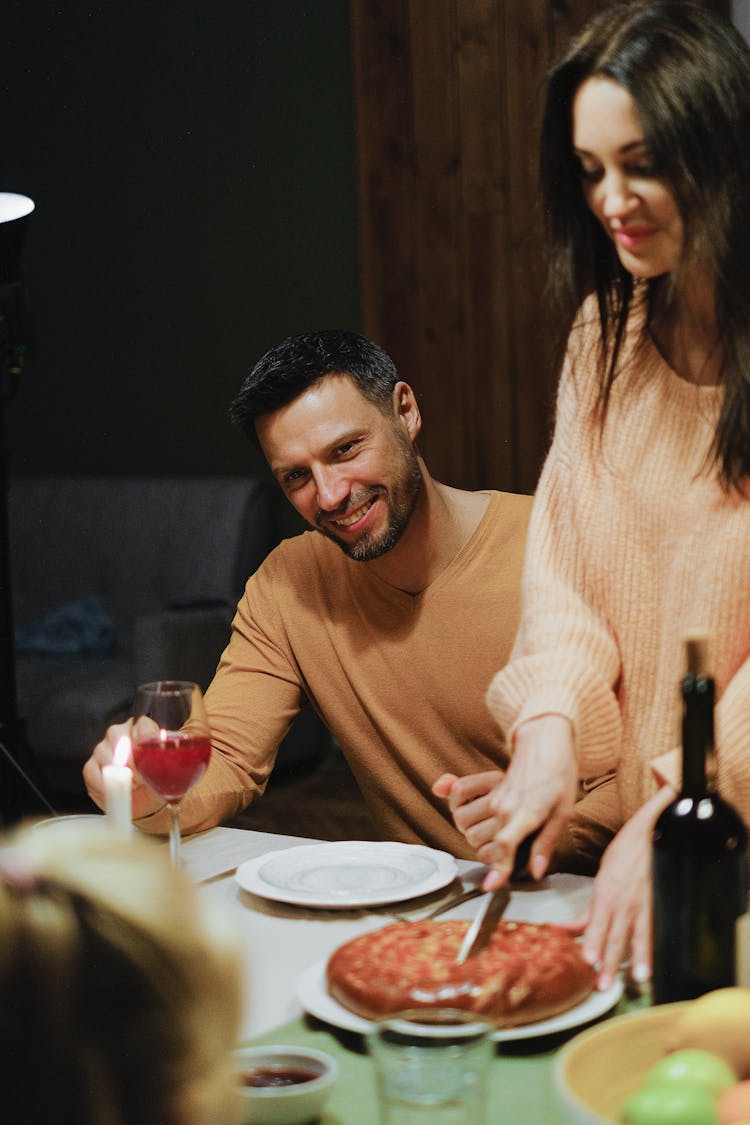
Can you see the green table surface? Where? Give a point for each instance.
(521, 1090)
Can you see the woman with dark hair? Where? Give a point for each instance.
(641, 523)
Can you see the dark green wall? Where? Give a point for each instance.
(193, 170)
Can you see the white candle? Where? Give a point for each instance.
(118, 783)
(742, 950)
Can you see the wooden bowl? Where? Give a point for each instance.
(599, 1069)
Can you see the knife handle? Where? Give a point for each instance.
(523, 853)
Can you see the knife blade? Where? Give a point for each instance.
(481, 929)
(493, 907)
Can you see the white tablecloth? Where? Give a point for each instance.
(281, 941)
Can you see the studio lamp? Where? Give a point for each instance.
(20, 791)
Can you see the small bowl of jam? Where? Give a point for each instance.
(281, 1085)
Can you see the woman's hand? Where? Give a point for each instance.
(496, 811)
(617, 923)
(144, 800)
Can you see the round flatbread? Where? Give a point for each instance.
(528, 971)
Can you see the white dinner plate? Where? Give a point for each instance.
(86, 822)
(69, 818)
(347, 873)
(314, 997)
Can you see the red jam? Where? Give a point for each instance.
(278, 1076)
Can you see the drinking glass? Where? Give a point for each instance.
(431, 1067)
(171, 744)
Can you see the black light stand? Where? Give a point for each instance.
(20, 777)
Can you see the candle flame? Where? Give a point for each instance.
(122, 751)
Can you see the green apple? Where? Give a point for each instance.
(717, 1022)
(695, 1067)
(670, 1104)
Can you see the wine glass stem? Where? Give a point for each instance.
(174, 833)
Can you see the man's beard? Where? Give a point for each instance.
(400, 500)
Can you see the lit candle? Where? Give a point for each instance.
(742, 950)
(118, 782)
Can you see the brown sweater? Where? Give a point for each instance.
(633, 542)
(400, 680)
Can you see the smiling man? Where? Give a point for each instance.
(390, 615)
(328, 448)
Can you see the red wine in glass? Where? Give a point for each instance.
(172, 762)
(171, 744)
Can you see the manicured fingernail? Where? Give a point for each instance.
(539, 866)
(641, 973)
(493, 879)
(590, 955)
(604, 981)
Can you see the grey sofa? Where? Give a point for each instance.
(117, 581)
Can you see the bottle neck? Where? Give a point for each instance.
(698, 754)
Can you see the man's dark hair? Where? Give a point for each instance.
(296, 364)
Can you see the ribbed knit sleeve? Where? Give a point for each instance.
(633, 543)
(733, 741)
(565, 660)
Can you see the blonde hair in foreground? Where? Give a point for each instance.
(119, 991)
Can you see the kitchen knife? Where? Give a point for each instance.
(493, 907)
(481, 929)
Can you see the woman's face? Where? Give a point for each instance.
(637, 210)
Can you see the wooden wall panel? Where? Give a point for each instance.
(530, 371)
(439, 297)
(484, 221)
(388, 193)
(447, 96)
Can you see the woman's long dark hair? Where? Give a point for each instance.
(688, 72)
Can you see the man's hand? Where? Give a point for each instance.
(144, 800)
(469, 802)
(496, 811)
(617, 922)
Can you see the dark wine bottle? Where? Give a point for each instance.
(699, 858)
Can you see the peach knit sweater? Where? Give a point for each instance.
(632, 541)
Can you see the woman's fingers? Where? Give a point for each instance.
(545, 843)
(620, 920)
(578, 924)
(620, 930)
(521, 824)
(620, 923)
(496, 811)
(640, 969)
(616, 944)
(538, 795)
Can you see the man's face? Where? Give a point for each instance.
(348, 468)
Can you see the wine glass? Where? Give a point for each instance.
(171, 744)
